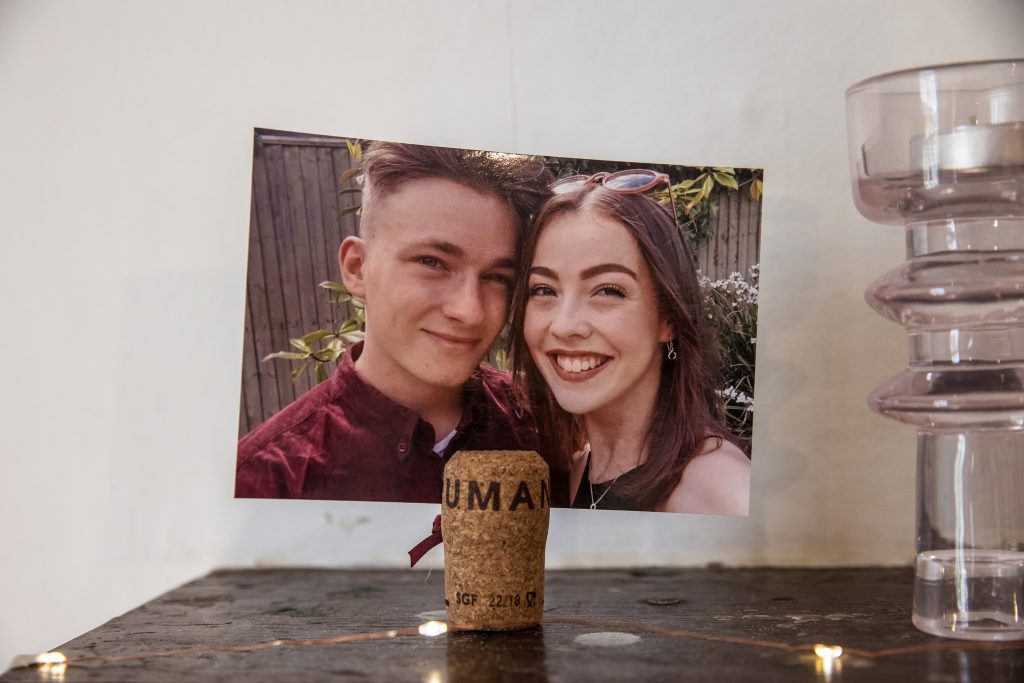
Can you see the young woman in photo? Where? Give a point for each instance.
(611, 347)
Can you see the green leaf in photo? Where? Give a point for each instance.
(349, 174)
(726, 180)
(299, 370)
(285, 355)
(355, 150)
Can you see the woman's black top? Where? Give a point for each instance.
(607, 499)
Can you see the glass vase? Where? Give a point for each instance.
(940, 151)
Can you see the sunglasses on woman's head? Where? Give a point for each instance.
(630, 181)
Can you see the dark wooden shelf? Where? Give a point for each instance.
(866, 609)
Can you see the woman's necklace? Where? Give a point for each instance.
(593, 503)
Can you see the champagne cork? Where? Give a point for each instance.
(494, 519)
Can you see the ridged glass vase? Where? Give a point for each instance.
(940, 151)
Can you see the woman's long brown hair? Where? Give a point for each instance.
(687, 408)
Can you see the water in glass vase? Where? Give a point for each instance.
(970, 594)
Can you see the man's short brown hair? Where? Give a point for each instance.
(520, 181)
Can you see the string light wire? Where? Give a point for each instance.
(56, 662)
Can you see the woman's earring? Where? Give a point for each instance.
(670, 350)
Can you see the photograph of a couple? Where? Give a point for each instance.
(405, 302)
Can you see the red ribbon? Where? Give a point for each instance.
(427, 543)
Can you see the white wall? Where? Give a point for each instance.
(124, 210)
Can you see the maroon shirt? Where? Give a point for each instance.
(345, 440)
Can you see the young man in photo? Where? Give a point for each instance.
(440, 231)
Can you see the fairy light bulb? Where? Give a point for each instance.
(433, 628)
(828, 652)
(828, 663)
(52, 665)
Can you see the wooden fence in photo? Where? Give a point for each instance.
(295, 233)
(735, 246)
(294, 236)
